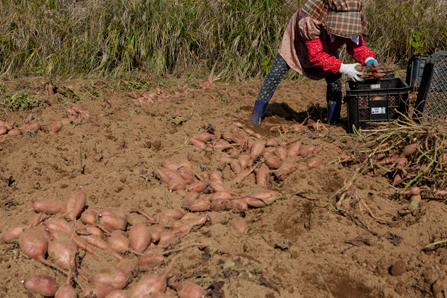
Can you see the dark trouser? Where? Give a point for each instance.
(274, 77)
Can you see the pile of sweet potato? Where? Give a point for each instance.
(58, 230)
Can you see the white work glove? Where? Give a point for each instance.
(350, 71)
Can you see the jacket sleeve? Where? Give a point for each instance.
(359, 51)
(318, 57)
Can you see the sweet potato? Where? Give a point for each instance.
(217, 218)
(204, 137)
(101, 244)
(3, 129)
(150, 260)
(112, 276)
(176, 184)
(188, 289)
(416, 198)
(46, 206)
(271, 143)
(166, 238)
(216, 177)
(198, 205)
(139, 237)
(94, 231)
(239, 224)
(257, 149)
(401, 162)
(244, 159)
(241, 176)
(88, 217)
(235, 165)
(237, 205)
(129, 266)
(262, 176)
(228, 136)
(14, 233)
(218, 205)
(152, 283)
(221, 145)
(281, 174)
(162, 174)
(63, 254)
(265, 195)
(197, 186)
(186, 175)
(74, 205)
(119, 243)
(41, 284)
(66, 291)
(190, 197)
(35, 246)
(397, 179)
(294, 149)
(174, 214)
(14, 132)
(165, 221)
(36, 219)
(252, 202)
(225, 158)
(221, 195)
(281, 152)
(273, 162)
(315, 162)
(56, 127)
(155, 233)
(237, 124)
(113, 219)
(198, 143)
(170, 165)
(217, 186)
(302, 167)
(100, 290)
(80, 243)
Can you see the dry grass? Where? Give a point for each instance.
(238, 39)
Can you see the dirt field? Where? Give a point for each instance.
(299, 246)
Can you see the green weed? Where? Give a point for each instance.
(18, 102)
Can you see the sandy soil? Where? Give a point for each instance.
(348, 254)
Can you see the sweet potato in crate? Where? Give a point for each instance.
(374, 101)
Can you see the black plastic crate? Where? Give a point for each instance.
(431, 103)
(365, 112)
(415, 69)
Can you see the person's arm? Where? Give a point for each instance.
(360, 52)
(318, 57)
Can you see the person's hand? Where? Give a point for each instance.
(350, 71)
(371, 62)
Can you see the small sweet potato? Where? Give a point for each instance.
(239, 224)
(46, 206)
(315, 162)
(112, 276)
(74, 205)
(41, 284)
(139, 237)
(218, 218)
(150, 260)
(14, 232)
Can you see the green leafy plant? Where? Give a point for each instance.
(19, 102)
(416, 43)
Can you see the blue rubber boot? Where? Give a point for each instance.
(333, 112)
(258, 112)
